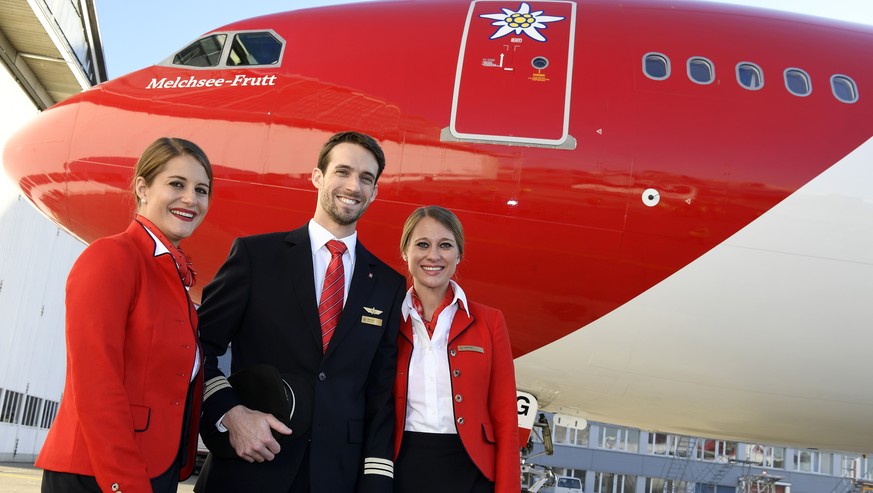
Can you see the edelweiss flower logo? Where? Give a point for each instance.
(522, 21)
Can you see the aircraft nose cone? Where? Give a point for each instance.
(36, 157)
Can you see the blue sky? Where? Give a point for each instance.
(139, 34)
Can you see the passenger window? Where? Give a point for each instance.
(204, 52)
(750, 76)
(797, 82)
(844, 88)
(701, 70)
(656, 66)
(256, 48)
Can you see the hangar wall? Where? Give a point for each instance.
(35, 257)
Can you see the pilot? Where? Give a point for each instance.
(128, 419)
(455, 398)
(324, 311)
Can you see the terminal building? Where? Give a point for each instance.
(51, 50)
(614, 459)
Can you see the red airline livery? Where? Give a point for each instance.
(672, 202)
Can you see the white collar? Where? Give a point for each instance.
(460, 295)
(319, 236)
(160, 249)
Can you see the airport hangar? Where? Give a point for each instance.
(50, 50)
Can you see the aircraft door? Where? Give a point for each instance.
(512, 84)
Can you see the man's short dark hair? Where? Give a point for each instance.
(363, 140)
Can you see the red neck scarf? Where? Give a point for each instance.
(183, 265)
(430, 325)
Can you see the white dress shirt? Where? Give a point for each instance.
(318, 238)
(429, 404)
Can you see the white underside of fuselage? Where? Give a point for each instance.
(766, 338)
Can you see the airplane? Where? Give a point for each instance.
(669, 200)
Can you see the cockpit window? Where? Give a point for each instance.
(844, 88)
(797, 82)
(259, 48)
(750, 76)
(205, 52)
(232, 49)
(656, 66)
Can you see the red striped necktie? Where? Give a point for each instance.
(331, 304)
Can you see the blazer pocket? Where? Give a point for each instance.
(141, 417)
(488, 432)
(356, 431)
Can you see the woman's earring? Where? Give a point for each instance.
(458, 261)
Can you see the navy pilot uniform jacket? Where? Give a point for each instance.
(263, 302)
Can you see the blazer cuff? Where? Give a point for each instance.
(378, 466)
(378, 476)
(213, 385)
(218, 398)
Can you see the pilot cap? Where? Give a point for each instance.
(261, 387)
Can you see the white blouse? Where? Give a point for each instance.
(429, 405)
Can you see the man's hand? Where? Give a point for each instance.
(250, 433)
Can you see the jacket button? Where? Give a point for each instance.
(458, 398)
(461, 420)
(322, 376)
(114, 486)
(453, 352)
(456, 373)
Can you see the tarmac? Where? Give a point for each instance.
(19, 477)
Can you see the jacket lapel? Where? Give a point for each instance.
(406, 328)
(152, 247)
(460, 323)
(300, 278)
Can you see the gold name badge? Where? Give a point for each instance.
(371, 321)
(475, 349)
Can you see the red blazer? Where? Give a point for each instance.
(131, 343)
(480, 359)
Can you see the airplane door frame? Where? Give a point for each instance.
(503, 63)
